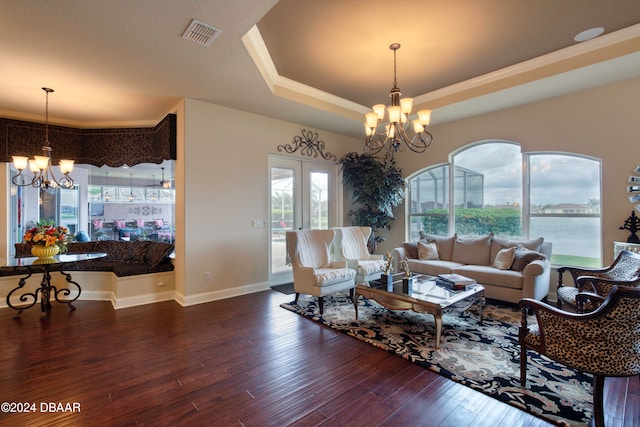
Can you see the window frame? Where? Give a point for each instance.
(527, 215)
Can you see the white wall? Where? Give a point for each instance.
(225, 186)
(601, 122)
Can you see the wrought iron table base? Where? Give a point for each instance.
(45, 290)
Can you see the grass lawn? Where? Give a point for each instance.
(576, 261)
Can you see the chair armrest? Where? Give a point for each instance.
(534, 268)
(536, 306)
(306, 270)
(584, 297)
(577, 272)
(601, 286)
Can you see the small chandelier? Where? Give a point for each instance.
(41, 165)
(107, 196)
(165, 184)
(398, 131)
(131, 196)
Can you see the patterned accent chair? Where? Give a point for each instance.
(604, 343)
(314, 272)
(350, 245)
(625, 271)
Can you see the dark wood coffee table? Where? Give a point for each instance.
(424, 296)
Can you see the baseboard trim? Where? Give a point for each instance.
(220, 294)
(142, 299)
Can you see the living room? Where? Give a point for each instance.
(222, 163)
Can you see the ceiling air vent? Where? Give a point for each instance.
(201, 33)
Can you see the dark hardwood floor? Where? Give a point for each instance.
(238, 362)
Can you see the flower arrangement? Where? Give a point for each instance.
(45, 234)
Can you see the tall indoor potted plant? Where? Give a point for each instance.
(377, 186)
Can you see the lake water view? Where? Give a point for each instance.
(569, 236)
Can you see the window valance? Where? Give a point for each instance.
(97, 147)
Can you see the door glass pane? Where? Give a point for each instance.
(282, 215)
(319, 200)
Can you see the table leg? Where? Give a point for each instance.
(438, 321)
(24, 297)
(355, 302)
(67, 292)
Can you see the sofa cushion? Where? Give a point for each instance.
(472, 250)
(367, 267)
(157, 252)
(427, 250)
(82, 247)
(524, 256)
(114, 249)
(498, 243)
(432, 267)
(410, 249)
(138, 251)
(505, 258)
(23, 250)
(485, 274)
(445, 244)
(119, 268)
(330, 276)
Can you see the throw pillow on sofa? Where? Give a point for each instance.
(499, 243)
(472, 250)
(411, 249)
(504, 259)
(158, 252)
(444, 243)
(524, 256)
(427, 250)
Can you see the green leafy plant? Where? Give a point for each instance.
(377, 186)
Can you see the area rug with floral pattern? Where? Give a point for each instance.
(484, 357)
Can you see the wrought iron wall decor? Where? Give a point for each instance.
(309, 145)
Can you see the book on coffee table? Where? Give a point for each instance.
(454, 281)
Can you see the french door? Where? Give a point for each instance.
(303, 196)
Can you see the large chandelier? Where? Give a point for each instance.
(41, 165)
(397, 134)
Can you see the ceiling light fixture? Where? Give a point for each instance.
(107, 196)
(131, 196)
(153, 189)
(398, 131)
(41, 165)
(589, 34)
(165, 184)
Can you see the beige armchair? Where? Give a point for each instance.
(603, 343)
(314, 272)
(350, 246)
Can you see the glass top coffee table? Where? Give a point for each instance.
(422, 296)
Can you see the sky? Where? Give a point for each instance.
(553, 179)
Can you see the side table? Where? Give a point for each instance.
(46, 290)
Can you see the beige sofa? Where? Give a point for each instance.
(509, 269)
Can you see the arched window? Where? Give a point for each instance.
(488, 183)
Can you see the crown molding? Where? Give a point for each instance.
(600, 49)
